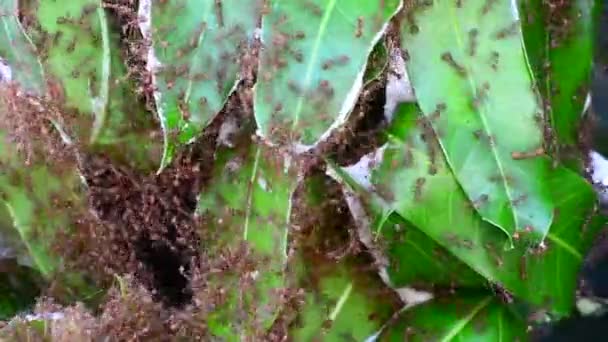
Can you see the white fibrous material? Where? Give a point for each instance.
(398, 87)
(587, 104)
(411, 296)
(598, 170)
(144, 14)
(263, 184)
(52, 316)
(364, 232)
(6, 74)
(227, 131)
(362, 170)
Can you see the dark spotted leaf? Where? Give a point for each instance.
(86, 73)
(198, 45)
(471, 78)
(248, 203)
(11, 246)
(39, 180)
(312, 65)
(458, 318)
(76, 43)
(34, 199)
(343, 303)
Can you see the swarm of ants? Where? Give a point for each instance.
(138, 234)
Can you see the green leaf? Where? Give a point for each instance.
(85, 70)
(248, 201)
(198, 44)
(460, 318)
(31, 198)
(16, 197)
(11, 245)
(129, 132)
(376, 63)
(535, 36)
(36, 194)
(343, 305)
(312, 65)
(339, 285)
(17, 49)
(472, 81)
(440, 209)
(559, 42)
(433, 266)
(571, 65)
(77, 55)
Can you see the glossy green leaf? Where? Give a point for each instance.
(440, 209)
(41, 199)
(459, 318)
(76, 53)
(248, 201)
(198, 45)
(535, 37)
(18, 51)
(312, 65)
(433, 266)
(559, 44)
(472, 81)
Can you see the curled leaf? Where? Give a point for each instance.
(540, 274)
(473, 84)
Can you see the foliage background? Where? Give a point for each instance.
(312, 169)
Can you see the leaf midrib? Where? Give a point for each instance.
(313, 57)
(250, 191)
(101, 112)
(462, 323)
(481, 114)
(194, 58)
(341, 301)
